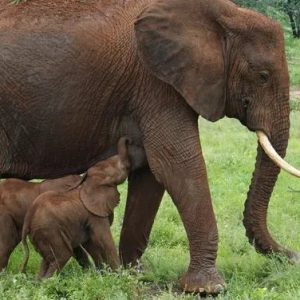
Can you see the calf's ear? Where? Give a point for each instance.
(99, 200)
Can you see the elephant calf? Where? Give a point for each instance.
(59, 222)
(16, 196)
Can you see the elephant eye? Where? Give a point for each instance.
(264, 76)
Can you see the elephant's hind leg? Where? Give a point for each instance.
(95, 253)
(55, 267)
(43, 269)
(54, 251)
(9, 239)
(81, 257)
(143, 200)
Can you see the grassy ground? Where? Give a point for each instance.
(229, 150)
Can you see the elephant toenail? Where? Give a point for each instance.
(219, 288)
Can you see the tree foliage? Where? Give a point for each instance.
(291, 8)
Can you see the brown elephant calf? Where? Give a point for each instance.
(16, 196)
(58, 223)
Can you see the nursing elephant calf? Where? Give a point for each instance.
(75, 76)
(16, 196)
(59, 223)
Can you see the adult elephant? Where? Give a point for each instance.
(75, 76)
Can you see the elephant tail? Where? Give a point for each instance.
(25, 232)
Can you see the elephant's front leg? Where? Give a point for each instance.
(175, 158)
(143, 200)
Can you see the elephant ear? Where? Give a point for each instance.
(99, 199)
(182, 44)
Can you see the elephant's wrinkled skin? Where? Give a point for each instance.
(60, 222)
(16, 196)
(75, 76)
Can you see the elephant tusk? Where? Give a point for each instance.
(274, 156)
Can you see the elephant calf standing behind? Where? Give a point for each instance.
(16, 196)
(59, 222)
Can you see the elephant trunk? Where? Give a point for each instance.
(262, 184)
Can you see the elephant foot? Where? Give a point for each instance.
(207, 282)
(293, 257)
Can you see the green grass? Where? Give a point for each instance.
(295, 104)
(229, 150)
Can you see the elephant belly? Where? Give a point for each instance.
(63, 103)
(77, 233)
(53, 119)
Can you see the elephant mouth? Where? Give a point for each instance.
(274, 156)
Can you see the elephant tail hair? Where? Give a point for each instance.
(25, 232)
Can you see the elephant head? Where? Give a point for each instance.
(99, 190)
(226, 61)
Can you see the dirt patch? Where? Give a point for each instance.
(295, 95)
